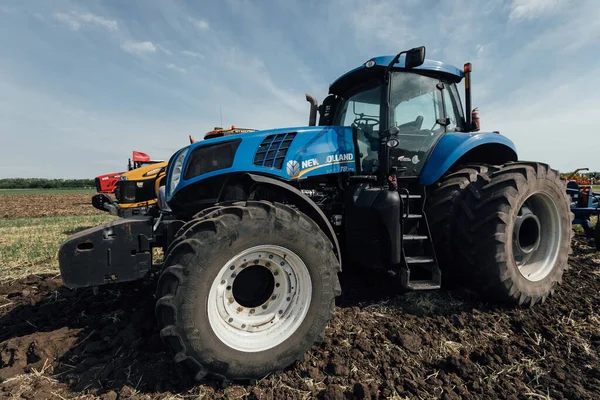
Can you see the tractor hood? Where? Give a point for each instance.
(146, 172)
(287, 153)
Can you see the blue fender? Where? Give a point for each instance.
(453, 146)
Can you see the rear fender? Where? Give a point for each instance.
(241, 187)
(459, 148)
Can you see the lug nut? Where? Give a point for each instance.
(230, 319)
(264, 307)
(252, 311)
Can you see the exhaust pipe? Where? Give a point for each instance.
(312, 118)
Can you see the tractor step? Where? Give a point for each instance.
(422, 284)
(415, 237)
(420, 269)
(419, 260)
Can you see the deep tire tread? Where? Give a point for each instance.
(482, 243)
(210, 223)
(443, 201)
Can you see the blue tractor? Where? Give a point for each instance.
(395, 176)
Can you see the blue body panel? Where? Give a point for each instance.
(315, 150)
(330, 150)
(452, 146)
(428, 65)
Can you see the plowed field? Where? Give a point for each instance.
(57, 343)
(61, 344)
(41, 205)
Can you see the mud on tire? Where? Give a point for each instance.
(514, 232)
(233, 270)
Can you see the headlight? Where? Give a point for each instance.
(176, 171)
(152, 172)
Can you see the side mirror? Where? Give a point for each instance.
(415, 57)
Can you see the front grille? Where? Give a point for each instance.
(273, 149)
(98, 187)
(126, 192)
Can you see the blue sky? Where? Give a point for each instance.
(82, 84)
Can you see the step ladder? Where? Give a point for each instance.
(419, 269)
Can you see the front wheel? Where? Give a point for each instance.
(515, 232)
(246, 290)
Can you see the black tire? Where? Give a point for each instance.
(196, 259)
(491, 240)
(441, 208)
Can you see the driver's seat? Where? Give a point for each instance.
(410, 127)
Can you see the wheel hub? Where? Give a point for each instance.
(536, 237)
(526, 234)
(259, 298)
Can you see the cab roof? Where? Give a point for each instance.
(432, 67)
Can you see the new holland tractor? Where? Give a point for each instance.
(396, 176)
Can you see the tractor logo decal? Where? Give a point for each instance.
(415, 159)
(292, 168)
(295, 170)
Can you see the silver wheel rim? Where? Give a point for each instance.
(536, 237)
(237, 313)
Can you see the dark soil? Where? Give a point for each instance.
(42, 205)
(59, 343)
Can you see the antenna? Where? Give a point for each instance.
(221, 109)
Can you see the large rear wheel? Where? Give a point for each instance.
(515, 232)
(443, 201)
(246, 290)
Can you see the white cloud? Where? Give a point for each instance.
(139, 48)
(200, 24)
(192, 54)
(163, 49)
(530, 9)
(176, 68)
(76, 20)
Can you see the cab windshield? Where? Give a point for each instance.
(361, 109)
(420, 109)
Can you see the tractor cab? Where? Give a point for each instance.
(399, 107)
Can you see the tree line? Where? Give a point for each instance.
(41, 183)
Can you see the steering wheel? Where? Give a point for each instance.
(362, 120)
(366, 124)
